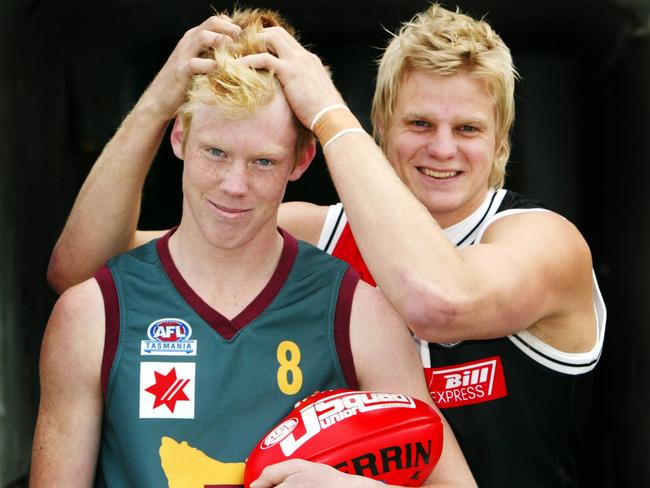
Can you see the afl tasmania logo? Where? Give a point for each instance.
(168, 337)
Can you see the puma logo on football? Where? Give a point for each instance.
(465, 384)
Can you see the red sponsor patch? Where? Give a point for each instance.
(464, 384)
(168, 389)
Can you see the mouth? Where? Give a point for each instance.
(230, 212)
(439, 175)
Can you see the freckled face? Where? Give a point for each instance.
(236, 172)
(441, 142)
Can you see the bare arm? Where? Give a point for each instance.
(303, 220)
(66, 440)
(103, 220)
(377, 334)
(532, 271)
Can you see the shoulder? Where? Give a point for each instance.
(142, 237)
(303, 220)
(539, 232)
(79, 303)
(547, 245)
(76, 326)
(372, 314)
(556, 261)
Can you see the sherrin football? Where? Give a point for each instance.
(389, 437)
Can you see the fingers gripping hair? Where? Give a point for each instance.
(236, 88)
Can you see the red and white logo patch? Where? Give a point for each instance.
(167, 390)
(464, 384)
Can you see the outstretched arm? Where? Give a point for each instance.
(67, 436)
(103, 220)
(530, 271)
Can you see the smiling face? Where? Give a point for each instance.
(441, 142)
(236, 171)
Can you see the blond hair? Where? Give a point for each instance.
(442, 43)
(234, 87)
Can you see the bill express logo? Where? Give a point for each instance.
(168, 337)
(465, 384)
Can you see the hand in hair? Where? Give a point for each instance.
(167, 91)
(306, 82)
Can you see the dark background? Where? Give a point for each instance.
(70, 71)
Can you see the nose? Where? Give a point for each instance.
(234, 180)
(442, 145)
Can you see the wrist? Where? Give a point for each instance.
(333, 122)
(158, 106)
(148, 111)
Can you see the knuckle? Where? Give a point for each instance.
(189, 33)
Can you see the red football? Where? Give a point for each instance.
(390, 437)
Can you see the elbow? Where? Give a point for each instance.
(433, 315)
(59, 275)
(54, 276)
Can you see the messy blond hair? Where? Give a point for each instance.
(235, 88)
(442, 43)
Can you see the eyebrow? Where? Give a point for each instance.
(273, 151)
(413, 115)
(464, 120)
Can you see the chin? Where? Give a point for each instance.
(223, 237)
(441, 201)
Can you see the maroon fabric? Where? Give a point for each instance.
(112, 313)
(225, 327)
(342, 326)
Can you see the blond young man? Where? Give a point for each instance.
(499, 292)
(168, 366)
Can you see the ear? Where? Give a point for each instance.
(380, 129)
(305, 160)
(176, 138)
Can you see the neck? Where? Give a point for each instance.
(228, 279)
(448, 219)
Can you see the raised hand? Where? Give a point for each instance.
(167, 91)
(306, 82)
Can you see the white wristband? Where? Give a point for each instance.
(325, 110)
(341, 133)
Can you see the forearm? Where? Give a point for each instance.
(105, 214)
(404, 247)
(415, 265)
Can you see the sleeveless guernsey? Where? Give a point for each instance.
(188, 392)
(517, 405)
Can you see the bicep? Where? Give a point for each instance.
(385, 356)
(528, 268)
(66, 438)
